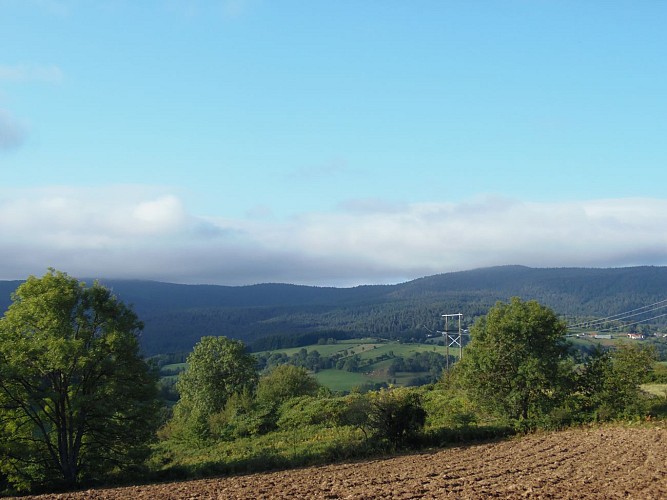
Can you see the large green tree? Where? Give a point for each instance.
(515, 364)
(217, 368)
(76, 398)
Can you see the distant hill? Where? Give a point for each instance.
(176, 316)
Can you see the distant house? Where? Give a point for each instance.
(635, 336)
(604, 336)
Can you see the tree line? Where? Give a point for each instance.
(313, 361)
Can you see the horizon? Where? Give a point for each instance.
(88, 279)
(338, 144)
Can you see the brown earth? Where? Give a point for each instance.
(600, 462)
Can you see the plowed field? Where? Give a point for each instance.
(602, 463)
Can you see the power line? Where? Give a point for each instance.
(599, 322)
(624, 315)
(631, 324)
(619, 315)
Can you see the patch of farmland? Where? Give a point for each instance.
(586, 463)
(340, 380)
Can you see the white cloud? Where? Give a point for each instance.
(79, 219)
(138, 232)
(162, 214)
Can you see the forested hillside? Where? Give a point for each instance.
(176, 316)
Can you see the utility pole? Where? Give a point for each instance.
(454, 339)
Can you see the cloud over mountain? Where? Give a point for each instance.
(137, 232)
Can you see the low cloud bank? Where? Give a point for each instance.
(133, 232)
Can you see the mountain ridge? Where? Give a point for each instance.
(177, 315)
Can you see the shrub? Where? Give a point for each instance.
(310, 410)
(396, 415)
(609, 383)
(447, 409)
(285, 382)
(241, 417)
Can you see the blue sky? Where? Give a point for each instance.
(330, 142)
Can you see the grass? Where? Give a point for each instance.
(307, 445)
(352, 347)
(342, 381)
(367, 348)
(324, 349)
(655, 389)
(405, 350)
(586, 341)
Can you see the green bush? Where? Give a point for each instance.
(448, 409)
(659, 374)
(285, 382)
(608, 385)
(396, 415)
(310, 410)
(242, 416)
(356, 412)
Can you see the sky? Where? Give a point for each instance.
(330, 143)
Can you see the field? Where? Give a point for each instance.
(365, 348)
(655, 389)
(594, 462)
(339, 380)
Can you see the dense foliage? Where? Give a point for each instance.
(217, 368)
(516, 374)
(515, 363)
(428, 364)
(322, 427)
(285, 382)
(76, 399)
(396, 415)
(609, 382)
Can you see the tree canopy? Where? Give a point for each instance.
(217, 368)
(609, 381)
(76, 398)
(513, 365)
(285, 382)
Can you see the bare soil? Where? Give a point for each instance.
(599, 462)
